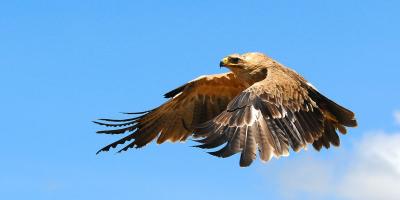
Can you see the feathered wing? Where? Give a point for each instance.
(336, 118)
(270, 116)
(194, 103)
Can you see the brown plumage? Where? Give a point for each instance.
(259, 106)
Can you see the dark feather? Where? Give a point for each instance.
(115, 125)
(262, 140)
(118, 131)
(249, 150)
(331, 134)
(115, 144)
(121, 120)
(137, 113)
(343, 115)
(174, 92)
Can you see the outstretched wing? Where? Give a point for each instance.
(190, 105)
(271, 116)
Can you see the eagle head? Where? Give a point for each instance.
(250, 67)
(244, 61)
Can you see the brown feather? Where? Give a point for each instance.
(190, 105)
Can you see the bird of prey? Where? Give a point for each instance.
(260, 106)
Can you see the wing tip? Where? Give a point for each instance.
(135, 113)
(174, 92)
(245, 163)
(99, 151)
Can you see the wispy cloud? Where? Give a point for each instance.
(375, 171)
(369, 170)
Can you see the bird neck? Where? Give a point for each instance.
(249, 77)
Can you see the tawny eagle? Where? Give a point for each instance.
(260, 105)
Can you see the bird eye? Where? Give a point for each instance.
(234, 60)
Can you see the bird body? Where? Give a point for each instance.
(260, 105)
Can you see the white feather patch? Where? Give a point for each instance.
(311, 85)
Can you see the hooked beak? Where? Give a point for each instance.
(223, 62)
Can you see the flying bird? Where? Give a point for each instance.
(259, 106)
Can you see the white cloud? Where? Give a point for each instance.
(375, 172)
(370, 170)
(397, 117)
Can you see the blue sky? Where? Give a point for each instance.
(66, 63)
